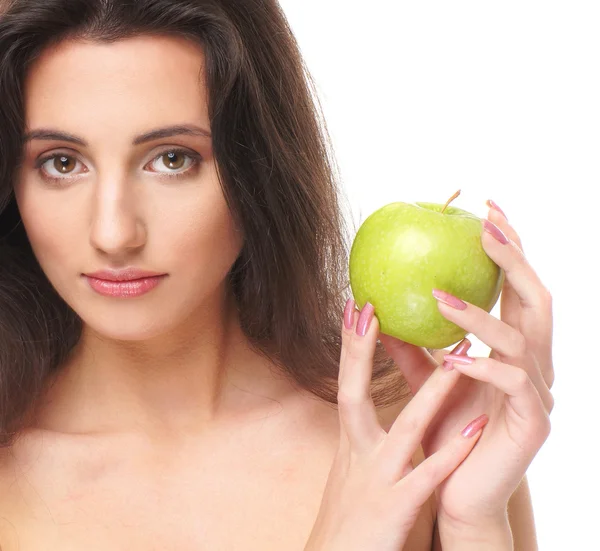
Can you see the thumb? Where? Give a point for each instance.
(415, 362)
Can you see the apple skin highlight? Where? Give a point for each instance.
(403, 251)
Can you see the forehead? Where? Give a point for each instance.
(138, 81)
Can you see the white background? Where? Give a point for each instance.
(502, 101)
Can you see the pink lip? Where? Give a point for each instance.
(125, 274)
(131, 288)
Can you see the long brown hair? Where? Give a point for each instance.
(276, 168)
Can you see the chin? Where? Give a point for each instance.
(128, 326)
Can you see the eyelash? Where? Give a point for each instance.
(196, 159)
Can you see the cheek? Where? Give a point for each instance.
(47, 227)
(205, 240)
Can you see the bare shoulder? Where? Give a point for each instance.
(19, 464)
(8, 476)
(10, 501)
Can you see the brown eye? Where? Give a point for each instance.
(64, 164)
(54, 167)
(176, 163)
(173, 160)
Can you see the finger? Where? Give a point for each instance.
(429, 474)
(416, 363)
(409, 428)
(535, 301)
(522, 395)
(504, 340)
(510, 305)
(510, 257)
(357, 412)
(497, 334)
(498, 217)
(348, 327)
(461, 349)
(536, 376)
(349, 320)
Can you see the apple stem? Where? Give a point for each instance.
(450, 201)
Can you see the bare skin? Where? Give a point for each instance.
(164, 430)
(253, 487)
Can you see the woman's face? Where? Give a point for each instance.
(115, 201)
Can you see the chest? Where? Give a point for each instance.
(207, 522)
(246, 496)
(256, 511)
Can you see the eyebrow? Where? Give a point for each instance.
(156, 134)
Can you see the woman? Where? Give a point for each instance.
(172, 289)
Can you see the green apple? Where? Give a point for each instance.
(403, 251)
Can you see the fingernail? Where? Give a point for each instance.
(449, 299)
(461, 348)
(455, 358)
(348, 313)
(495, 231)
(364, 320)
(473, 427)
(494, 206)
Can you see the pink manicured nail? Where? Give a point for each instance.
(458, 359)
(494, 206)
(449, 299)
(461, 348)
(473, 427)
(348, 313)
(495, 231)
(364, 320)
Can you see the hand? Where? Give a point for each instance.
(373, 495)
(512, 386)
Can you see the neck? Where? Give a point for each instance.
(195, 377)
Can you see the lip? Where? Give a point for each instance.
(124, 289)
(125, 274)
(125, 283)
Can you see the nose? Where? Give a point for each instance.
(116, 227)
